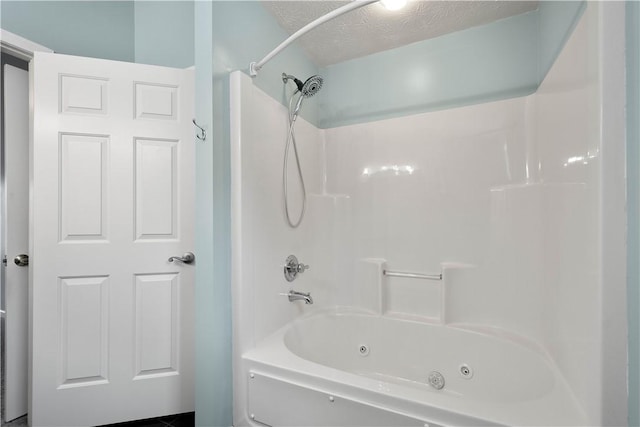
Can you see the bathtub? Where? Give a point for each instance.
(344, 367)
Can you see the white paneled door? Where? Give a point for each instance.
(112, 199)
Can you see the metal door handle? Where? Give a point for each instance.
(21, 260)
(187, 258)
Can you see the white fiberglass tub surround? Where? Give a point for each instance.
(504, 198)
(360, 357)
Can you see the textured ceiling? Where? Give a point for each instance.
(373, 29)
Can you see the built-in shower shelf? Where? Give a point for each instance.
(382, 291)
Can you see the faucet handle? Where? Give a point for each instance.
(292, 268)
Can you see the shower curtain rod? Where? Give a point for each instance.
(254, 67)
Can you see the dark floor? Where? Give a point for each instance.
(18, 422)
(181, 420)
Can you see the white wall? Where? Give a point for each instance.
(569, 145)
(513, 188)
(580, 134)
(421, 195)
(266, 240)
(261, 240)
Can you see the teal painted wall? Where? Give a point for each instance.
(480, 64)
(556, 21)
(98, 29)
(633, 205)
(504, 59)
(213, 328)
(229, 35)
(147, 32)
(163, 33)
(243, 32)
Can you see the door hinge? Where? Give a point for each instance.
(4, 260)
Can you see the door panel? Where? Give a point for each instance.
(16, 161)
(157, 319)
(83, 173)
(112, 200)
(84, 334)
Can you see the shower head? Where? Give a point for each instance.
(309, 88)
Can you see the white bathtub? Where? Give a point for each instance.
(315, 371)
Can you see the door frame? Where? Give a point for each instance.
(23, 49)
(18, 46)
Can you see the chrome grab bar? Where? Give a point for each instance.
(391, 273)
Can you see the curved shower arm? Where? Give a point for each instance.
(254, 67)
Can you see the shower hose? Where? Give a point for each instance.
(291, 140)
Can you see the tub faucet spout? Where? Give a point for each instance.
(295, 296)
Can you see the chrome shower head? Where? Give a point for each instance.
(311, 86)
(308, 88)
